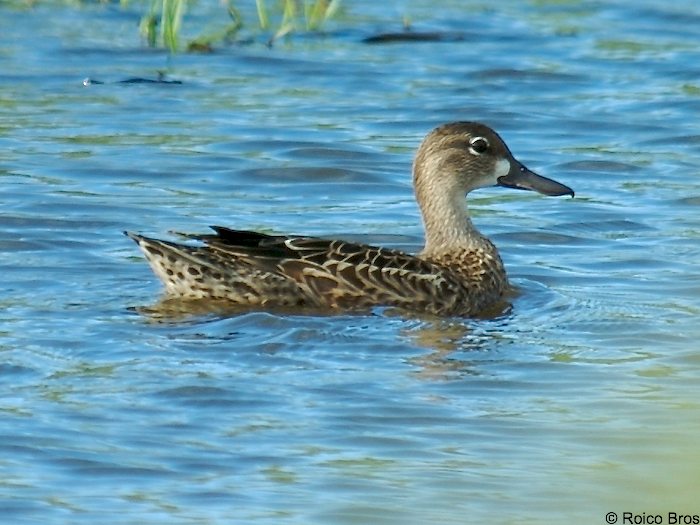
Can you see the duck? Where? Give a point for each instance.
(458, 273)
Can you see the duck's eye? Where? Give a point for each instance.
(478, 145)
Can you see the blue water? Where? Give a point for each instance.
(582, 400)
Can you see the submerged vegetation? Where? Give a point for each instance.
(162, 25)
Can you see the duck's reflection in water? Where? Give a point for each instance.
(454, 346)
(453, 343)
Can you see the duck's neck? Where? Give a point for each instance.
(448, 227)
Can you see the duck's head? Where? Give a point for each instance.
(463, 156)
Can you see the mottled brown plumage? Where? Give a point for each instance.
(458, 273)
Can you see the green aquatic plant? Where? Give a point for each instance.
(313, 14)
(321, 11)
(165, 15)
(205, 42)
(310, 15)
(171, 17)
(263, 18)
(149, 27)
(162, 24)
(293, 15)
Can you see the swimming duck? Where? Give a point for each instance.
(458, 272)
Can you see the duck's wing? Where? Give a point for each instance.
(340, 274)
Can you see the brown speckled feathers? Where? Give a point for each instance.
(254, 269)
